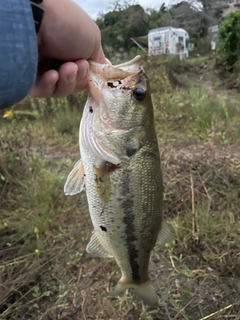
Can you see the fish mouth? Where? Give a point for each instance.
(122, 77)
(115, 72)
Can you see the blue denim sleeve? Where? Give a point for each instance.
(18, 51)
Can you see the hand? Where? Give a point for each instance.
(67, 39)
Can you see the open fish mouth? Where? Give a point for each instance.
(122, 77)
(117, 94)
(125, 84)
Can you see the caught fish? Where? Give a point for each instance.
(120, 172)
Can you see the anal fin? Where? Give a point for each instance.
(75, 181)
(96, 248)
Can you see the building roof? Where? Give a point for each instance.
(158, 29)
(167, 28)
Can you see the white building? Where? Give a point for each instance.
(168, 40)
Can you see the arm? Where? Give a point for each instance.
(18, 51)
(67, 38)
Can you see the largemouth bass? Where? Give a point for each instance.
(121, 174)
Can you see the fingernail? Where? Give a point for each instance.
(72, 77)
(82, 74)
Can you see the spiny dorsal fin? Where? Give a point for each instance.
(95, 248)
(164, 235)
(75, 181)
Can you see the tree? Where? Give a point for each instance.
(184, 15)
(229, 40)
(119, 25)
(195, 17)
(127, 19)
(157, 18)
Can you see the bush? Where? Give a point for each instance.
(228, 51)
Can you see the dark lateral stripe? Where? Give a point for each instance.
(128, 220)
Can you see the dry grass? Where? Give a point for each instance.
(45, 272)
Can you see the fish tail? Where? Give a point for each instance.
(144, 291)
(147, 293)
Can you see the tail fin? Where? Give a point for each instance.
(144, 291)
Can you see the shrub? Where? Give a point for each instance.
(228, 51)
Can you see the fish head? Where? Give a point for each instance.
(122, 94)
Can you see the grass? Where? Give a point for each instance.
(45, 272)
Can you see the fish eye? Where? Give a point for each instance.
(139, 94)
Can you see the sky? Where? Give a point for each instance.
(93, 7)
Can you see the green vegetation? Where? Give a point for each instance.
(120, 25)
(229, 41)
(127, 19)
(45, 272)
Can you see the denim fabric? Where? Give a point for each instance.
(18, 51)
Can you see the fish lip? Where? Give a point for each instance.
(110, 73)
(125, 64)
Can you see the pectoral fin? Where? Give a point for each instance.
(164, 235)
(96, 248)
(103, 184)
(75, 181)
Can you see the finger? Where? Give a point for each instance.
(98, 56)
(45, 85)
(82, 75)
(67, 79)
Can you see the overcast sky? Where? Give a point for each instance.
(93, 7)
